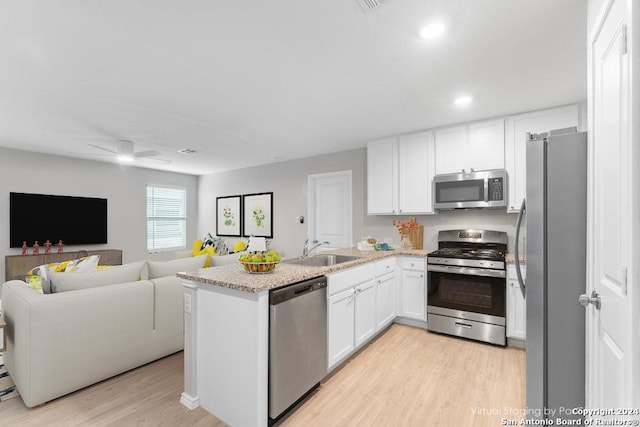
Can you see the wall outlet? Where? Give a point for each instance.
(187, 303)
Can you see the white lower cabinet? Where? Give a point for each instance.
(385, 300)
(350, 311)
(361, 302)
(413, 284)
(516, 307)
(341, 326)
(364, 312)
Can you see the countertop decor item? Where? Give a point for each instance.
(405, 243)
(260, 262)
(258, 267)
(410, 233)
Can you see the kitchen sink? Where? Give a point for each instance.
(322, 260)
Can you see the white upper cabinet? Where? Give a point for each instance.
(451, 144)
(400, 174)
(382, 176)
(476, 146)
(515, 149)
(400, 169)
(416, 154)
(486, 145)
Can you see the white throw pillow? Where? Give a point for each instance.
(63, 282)
(84, 264)
(217, 261)
(170, 268)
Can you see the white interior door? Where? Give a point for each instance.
(330, 206)
(609, 341)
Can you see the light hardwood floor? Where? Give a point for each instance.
(146, 396)
(410, 377)
(406, 377)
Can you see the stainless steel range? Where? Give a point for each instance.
(466, 285)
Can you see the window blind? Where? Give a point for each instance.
(166, 218)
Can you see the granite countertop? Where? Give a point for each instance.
(235, 277)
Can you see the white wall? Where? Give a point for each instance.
(288, 181)
(124, 187)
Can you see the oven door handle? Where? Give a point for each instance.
(466, 270)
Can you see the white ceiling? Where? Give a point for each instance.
(249, 82)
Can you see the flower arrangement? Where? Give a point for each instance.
(405, 228)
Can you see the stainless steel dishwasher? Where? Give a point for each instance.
(297, 343)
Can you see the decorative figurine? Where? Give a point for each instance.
(47, 247)
(59, 245)
(36, 248)
(24, 247)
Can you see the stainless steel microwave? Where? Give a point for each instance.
(481, 189)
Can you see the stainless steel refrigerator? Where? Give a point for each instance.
(555, 256)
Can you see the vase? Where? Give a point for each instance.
(405, 243)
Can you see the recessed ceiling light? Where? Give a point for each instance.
(432, 31)
(463, 100)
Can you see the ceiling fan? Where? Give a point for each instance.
(124, 152)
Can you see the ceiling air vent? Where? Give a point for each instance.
(371, 5)
(187, 151)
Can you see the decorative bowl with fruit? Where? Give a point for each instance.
(264, 262)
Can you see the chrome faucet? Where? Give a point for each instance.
(306, 249)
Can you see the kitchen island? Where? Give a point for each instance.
(226, 314)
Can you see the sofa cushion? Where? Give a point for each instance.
(63, 282)
(170, 268)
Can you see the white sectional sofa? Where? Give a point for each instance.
(61, 342)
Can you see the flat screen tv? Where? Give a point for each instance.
(42, 217)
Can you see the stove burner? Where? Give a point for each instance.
(469, 253)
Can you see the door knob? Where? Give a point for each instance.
(594, 299)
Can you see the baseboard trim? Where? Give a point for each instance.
(188, 401)
(516, 342)
(411, 322)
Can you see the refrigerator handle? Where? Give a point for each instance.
(523, 209)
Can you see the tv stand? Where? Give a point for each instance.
(16, 266)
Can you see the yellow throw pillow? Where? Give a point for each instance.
(239, 246)
(207, 250)
(197, 246)
(35, 282)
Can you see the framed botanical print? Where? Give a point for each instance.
(228, 220)
(258, 214)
